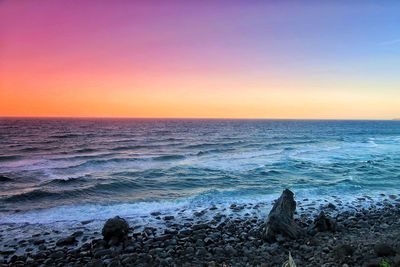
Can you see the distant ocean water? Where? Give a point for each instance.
(72, 169)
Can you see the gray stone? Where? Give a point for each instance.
(343, 251)
(102, 252)
(115, 230)
(57, 255)
(384, 250)
(70, 240)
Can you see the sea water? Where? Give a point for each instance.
(55, 170)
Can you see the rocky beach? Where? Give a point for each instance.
(344, 234)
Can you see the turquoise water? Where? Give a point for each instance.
(63, 168)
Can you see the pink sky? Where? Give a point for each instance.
(225, 59)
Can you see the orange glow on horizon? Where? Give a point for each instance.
(194, 97)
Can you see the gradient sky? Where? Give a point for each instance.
(214, 59)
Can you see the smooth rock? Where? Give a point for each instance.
(70, 240)
(384, 250)
(115, 230)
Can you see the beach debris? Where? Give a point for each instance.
(280, 220)
(324, 223)
(290, 262)
(115, 230)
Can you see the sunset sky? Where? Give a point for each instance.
(200, 59)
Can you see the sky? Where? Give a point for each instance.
(200, 59)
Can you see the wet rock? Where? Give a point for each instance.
(331, 206)
(343, 251)
(230, 250)
(102, 252)
(280, 220)
(201, 251)
(70, 240)
(37, 242)
(57, 255)
(115, 230)
(114, 263)
(185, 232)
(95, 263)
(200, 226)
(168, 218)
(170, 231)
(48, 262)
(86, 222)
(29, 260)
(199, 213)
(219, 252)
(99, 243)
(384, 250)
(7, 251)
(162, 237)
(78, 233)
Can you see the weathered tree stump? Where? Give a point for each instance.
(280, 220)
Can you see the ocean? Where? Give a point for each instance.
(54, 170)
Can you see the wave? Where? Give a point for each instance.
(10, 157)
(4, 178)
(32, 149)
(214, 151)
(126, 160)
(207, 145)
(169, 157)
(103, 189)
(29, 196)
(83, 157)
(86, 150)
(68, 181)
(270, 172)
(62, 136)
(122, 148)
(98, 162)
(140, 211)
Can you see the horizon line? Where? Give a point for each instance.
(188, 118)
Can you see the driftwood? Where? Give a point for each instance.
(280, 220)
(323, 223)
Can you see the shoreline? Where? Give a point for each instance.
(213, 237)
